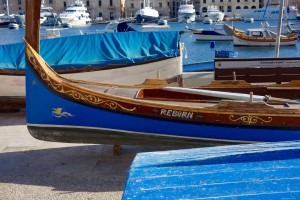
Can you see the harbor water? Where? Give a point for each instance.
(195, 51)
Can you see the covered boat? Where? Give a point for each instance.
(68, 110)
(95, 57)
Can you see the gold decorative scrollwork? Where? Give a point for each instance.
(250, 119)
(77, 93)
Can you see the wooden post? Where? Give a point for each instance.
(32, 28)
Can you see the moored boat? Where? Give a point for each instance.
(217, 33)
(90, 112)
(214, 14)
(186, 12)
(262, 37)
(146, 14)
(76, 15)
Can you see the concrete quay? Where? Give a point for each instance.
(33, 169)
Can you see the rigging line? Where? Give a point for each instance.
(266, 9)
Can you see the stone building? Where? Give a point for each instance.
(114, 9)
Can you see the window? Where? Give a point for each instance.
(142, 5)
(100, 4)
(245, 7)
(132, 5)
(168, 4)
(87, 3)
(213, 1)
(20, 8)
(253, 7)
(65, 4)
(160, 4)
(100, 14)
(50, 1)
(238, 7)
(238, 1)
(111, 15)
(19, 2)
(204, 1)
(221, 8)
(221, 0)
(229, 8)
(110, 2)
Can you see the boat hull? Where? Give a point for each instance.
(83, 123)
(212, 35)
(260, 42)
(186, 17)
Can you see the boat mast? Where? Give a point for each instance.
(7, 7)
(279, 29)
(32, 28)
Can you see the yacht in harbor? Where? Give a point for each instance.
(76, 15)
(214, 13)
(147, 14)
(48, 15)
(186, 12)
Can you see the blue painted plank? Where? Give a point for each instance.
(257, 171)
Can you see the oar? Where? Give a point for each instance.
(229, 95)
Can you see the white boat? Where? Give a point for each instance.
(13, 26)
(47, 15)
(214, 13)
(249, 20)
(217, 33)
(262, 37)
(267, 13)
(207, 20)
(162, 22)
(186, 12)
(76, 14)
(5, 20)
(147, 14)
(113, 26)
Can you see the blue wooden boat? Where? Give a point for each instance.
(255, 171)
(68, 110)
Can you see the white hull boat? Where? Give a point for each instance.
(76, 15)
(186, 12)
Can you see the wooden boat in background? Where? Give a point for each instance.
(66, 110)
(252, 171)
(261, 37)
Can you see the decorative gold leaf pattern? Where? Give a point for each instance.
(73, 93)
(250, 119)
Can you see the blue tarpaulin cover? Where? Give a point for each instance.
(96, 50)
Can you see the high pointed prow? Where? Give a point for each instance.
(32, 29)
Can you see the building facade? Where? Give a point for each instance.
(114, 9)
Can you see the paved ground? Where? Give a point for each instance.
(32, 169)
